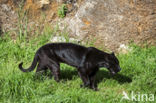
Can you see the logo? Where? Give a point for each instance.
(137, 96)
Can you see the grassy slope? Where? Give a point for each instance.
(138, 74)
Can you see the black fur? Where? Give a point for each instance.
(86, 60)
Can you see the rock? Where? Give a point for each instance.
(44, 2)
(5, 7)
(115, 22)
(124, 48)
(63, 39)
(58, 39)
(8, 18)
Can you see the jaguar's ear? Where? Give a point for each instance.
(113, 54)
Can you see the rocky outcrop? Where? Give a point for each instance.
(115, 22)
(110, 23)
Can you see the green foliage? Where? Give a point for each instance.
(22, 23)
(62, 11)
(16, 86)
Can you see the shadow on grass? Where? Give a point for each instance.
(101, 75)
(68, 74)
(118, 77)
(65, 75)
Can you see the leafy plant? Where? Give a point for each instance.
(62, 11)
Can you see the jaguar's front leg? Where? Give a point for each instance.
(85, 79)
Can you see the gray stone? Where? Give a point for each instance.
(115, 22)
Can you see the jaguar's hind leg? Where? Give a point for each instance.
(55, 69)
(41, 69)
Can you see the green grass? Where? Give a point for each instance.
(138, 74)
(62, 11)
